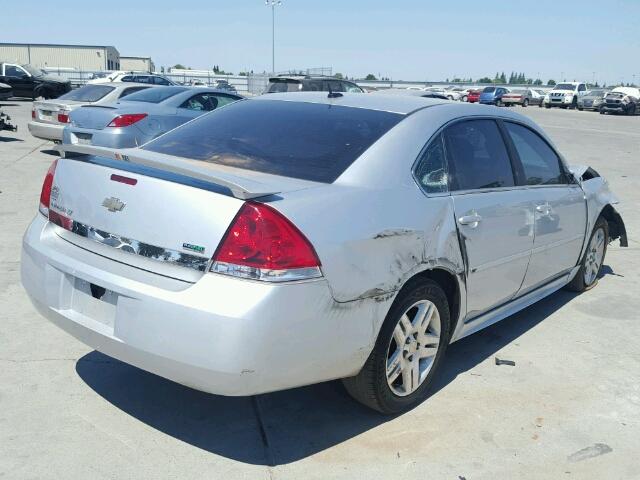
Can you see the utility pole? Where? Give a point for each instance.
(273, 4)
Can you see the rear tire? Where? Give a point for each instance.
(593, 258)
(380, 385)
(499, 103)
(525, 102)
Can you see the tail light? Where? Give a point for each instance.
(262, 244)
(63, 116)
(33, 113)
(45, 194)
(126, 119)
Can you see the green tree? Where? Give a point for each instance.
(179, 66)
(370, 76)
(551, 82)
(339, 76)
(484, 80)
(503, 78)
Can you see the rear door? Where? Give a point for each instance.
(560, 207)
(494, 216)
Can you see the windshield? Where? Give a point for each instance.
(311, 141)
(88, 93)
(489, 89)
(36, 72)
(564, 86)
(154, 95)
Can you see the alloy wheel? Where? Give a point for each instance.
(413, 347)
(594, 257)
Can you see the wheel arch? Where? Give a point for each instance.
(617, 230)
(451, 284)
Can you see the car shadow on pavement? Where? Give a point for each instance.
(281, 427)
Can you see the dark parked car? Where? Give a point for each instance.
(28, 81)
(307, 83)
(225, 85)
(623, 100)
(493, 95)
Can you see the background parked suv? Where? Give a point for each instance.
(28, 81)
(565, 95)
(310, 84)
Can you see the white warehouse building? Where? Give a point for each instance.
(137, 64)
(77, 57)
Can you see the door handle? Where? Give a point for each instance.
(471, 220)
(544, 209)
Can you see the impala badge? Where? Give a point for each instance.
(113, 204)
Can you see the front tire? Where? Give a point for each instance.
(593, 258)
(525, 102)
(407, 353)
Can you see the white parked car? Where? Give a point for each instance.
(120, 76)
(565, 95)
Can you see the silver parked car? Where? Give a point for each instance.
(593, 99)
(310, 236)
(49, 117)
(142, 116)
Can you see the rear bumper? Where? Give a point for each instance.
(129, 137)
(220, 335)
(46, 131)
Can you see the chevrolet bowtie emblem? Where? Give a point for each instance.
(113, 204)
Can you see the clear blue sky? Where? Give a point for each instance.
(411, 39)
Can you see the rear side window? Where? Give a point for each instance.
(154, 95)
(88, 93)
(431, 169)
(160, 81)
(283, 85)
(310, 141)
(540, 163)
(477, 156)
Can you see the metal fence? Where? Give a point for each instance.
(255, 84)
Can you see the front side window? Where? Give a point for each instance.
(127, 78)
(431, 169)
(351, 87)
(203, 102)
(541, 164)
(14, 71)
(581, 87)
(160, 81)
(477, 156)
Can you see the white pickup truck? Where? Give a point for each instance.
(565, 95)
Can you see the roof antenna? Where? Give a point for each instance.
(333, 94)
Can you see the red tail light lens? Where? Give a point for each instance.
(45, 194)
(63, 117)
(33, 113)
(262, 244)
(126, 119)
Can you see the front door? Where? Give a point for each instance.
(494, 216)
(560, 208)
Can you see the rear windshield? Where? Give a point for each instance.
(88, 93)
(310, 141)
(154, 95)
(278, 85)
(489, 89)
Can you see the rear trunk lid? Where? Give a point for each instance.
(47, 110)
(97, 117)
(164, 220)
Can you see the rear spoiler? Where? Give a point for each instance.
(240, 187)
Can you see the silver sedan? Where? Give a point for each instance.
(49, 117)
(297, 238)
(142, 116)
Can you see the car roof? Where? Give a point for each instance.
(403, 104)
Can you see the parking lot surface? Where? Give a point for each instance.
(569, 408)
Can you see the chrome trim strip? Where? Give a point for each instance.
(136, 247)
